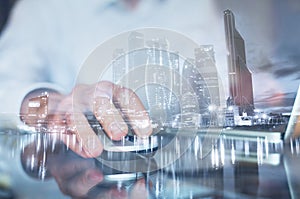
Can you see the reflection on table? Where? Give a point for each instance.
(225, 165)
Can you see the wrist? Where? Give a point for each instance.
(37, 105)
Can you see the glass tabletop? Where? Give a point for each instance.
(232, 164)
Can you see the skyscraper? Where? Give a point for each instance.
(150, 68)
(119, 65)
(206, 64)
(136, 50)
(192, 88)
(240, 78)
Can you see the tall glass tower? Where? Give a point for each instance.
(206, 64)
(240, 78)
(119, 65)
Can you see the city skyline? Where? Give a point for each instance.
(270, 31)
(153, 53)
(271, 50)
(169, 84)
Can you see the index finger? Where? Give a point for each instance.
(85, 135)
(86, 143)
(133, 110)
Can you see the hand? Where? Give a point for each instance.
(113, 106)
(76, 177)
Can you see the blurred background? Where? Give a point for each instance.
(5, 8)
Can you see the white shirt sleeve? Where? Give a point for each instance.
(23, 63)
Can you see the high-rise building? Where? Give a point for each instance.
(196, 97)
(160, 66)
(136, 50)
(191, 85)
(151, 73)
(240, 78)
(206, 64)
(119, 66)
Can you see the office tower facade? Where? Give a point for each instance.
(136, 50)
(206, 64)
(240, 78)
(150, 68)
(189, 99)
(160, 80)
(163, 68)
(119, 66)
(195, 95)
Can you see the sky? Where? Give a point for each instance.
(271, 32)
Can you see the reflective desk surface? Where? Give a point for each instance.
(232, 164)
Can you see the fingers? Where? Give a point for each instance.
(86, 137)
(116, 106)
(110, 118)
(76, 177)
(87, 144)
(113, 106)
(65, 165)
(80, 184)
(71, 122)
(139, 190)
(71, 141)
(133, 110)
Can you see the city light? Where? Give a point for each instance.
(212, 107)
